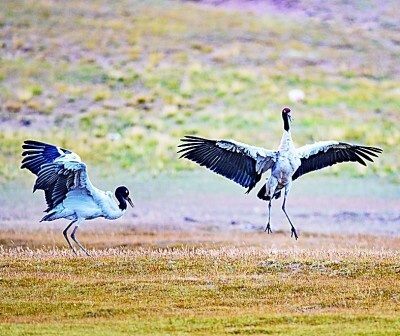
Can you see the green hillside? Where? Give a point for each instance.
(120, 82)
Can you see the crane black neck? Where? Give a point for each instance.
(122, 203)
(285, 118)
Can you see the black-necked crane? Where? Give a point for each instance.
(68, 191)
(246, 164)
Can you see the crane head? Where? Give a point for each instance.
(124, 193)
(287, 111)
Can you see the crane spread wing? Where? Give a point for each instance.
(236, 161)
(38, 153)
(58, 171)
(327, 153)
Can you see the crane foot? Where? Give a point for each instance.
(268, 229)
(294, 233)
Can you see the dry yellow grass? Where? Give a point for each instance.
(203, 284)
(105, 238)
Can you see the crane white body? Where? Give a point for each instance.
(78, 205)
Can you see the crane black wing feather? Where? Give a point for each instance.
(328, 153)
(58, 171)
(38, 153)
(59, 178)
(238, 162)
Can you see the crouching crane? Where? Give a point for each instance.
(246, 164)
(68, 191)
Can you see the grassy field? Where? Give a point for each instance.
(203, 287)
(120, 82)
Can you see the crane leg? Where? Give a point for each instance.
(268, 228)
(294, 233)
(65, 233)
(269, 191)
(76, 240)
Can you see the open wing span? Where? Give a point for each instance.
(236, 161)
(327, 153)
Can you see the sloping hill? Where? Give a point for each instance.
(127, 79)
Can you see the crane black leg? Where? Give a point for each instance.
(65, 233)
(294, 233)
(77, 242)
(268, 228)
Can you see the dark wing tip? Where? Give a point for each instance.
(29, 142)
(373, 149)
(194, 137)
(35, 143)
(191, 142)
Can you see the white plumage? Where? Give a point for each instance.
(244, 164)
(68, 190)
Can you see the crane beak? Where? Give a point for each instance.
(130, 201)
(290, 117)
